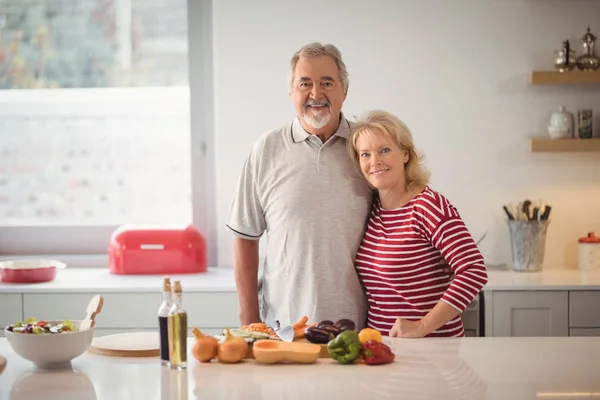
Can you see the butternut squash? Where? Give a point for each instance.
(274, 351)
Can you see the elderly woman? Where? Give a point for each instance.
(412, 228)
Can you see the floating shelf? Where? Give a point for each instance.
(541, 145)
(563, 78)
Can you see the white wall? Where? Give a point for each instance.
(454, 71)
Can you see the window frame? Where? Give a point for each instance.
(86, 246)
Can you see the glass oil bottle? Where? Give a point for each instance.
(177, 330)
(163, 326)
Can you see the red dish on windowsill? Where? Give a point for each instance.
(29, 270)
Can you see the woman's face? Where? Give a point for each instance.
(381, 160)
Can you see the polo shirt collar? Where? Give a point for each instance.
(300, 135)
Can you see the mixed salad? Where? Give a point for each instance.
(32, 325)
(249, 336)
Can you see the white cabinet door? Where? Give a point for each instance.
(11, 310)
(120, 310)
(522, 313)
(584, 309)
(135, 311)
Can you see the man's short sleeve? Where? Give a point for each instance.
(246, 217)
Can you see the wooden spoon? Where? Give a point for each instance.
(2, 364)
(92, 310)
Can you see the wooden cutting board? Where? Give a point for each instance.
(2, 364)
(131, 344)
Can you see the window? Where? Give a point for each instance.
(94, 121)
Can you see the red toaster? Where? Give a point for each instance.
(137, 249)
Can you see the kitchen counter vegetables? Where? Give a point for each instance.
(233, 349)
(367, 334)
(377, 353)
(323, 331)
(205, 347)
(33, 326)
(345, 347)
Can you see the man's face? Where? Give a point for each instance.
(317, 92)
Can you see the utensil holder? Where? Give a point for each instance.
(527, 242)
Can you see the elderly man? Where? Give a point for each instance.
(299, 186)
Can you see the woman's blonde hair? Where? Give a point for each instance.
(416, 173)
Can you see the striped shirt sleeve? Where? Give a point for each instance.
(449, 234)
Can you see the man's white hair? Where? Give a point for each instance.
(314, 50)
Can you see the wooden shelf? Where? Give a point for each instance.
(564, 78)
(544, 145)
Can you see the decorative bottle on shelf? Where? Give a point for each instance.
(588, 61)
(566, 58)
(177, 330)
(163, 326)
(561, 124)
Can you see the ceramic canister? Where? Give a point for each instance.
(561, 124)
(589, 252)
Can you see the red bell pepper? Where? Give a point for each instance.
(376, 353)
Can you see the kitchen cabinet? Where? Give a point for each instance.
(528, 314)
(11, 310)
(584, 332)
(135, 310)
(584, 309)
(542, 313)
(470, 319)
(123, 312)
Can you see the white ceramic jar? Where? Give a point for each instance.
(562, 124)
(589, 252)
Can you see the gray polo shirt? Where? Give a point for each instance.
(313, 204)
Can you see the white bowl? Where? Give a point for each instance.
(49, 351)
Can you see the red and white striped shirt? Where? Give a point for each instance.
(399, 262)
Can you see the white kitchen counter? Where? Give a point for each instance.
(468, 368)
(84, 280)
(551, 279)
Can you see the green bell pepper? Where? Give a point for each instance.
(345, 347)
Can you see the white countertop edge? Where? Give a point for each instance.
(100, 280)
(106, 290)
(538, 288)
(545, 280)
(221, 279)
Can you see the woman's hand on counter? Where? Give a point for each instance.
(436, 318)
(405, 328)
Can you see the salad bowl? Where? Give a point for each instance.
(49, 344)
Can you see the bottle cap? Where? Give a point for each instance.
(591, 238)
(176, 287)
(166, 284)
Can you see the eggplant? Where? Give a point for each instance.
(323, 323)
(345, 325)
(318, 335)
(334, 330)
